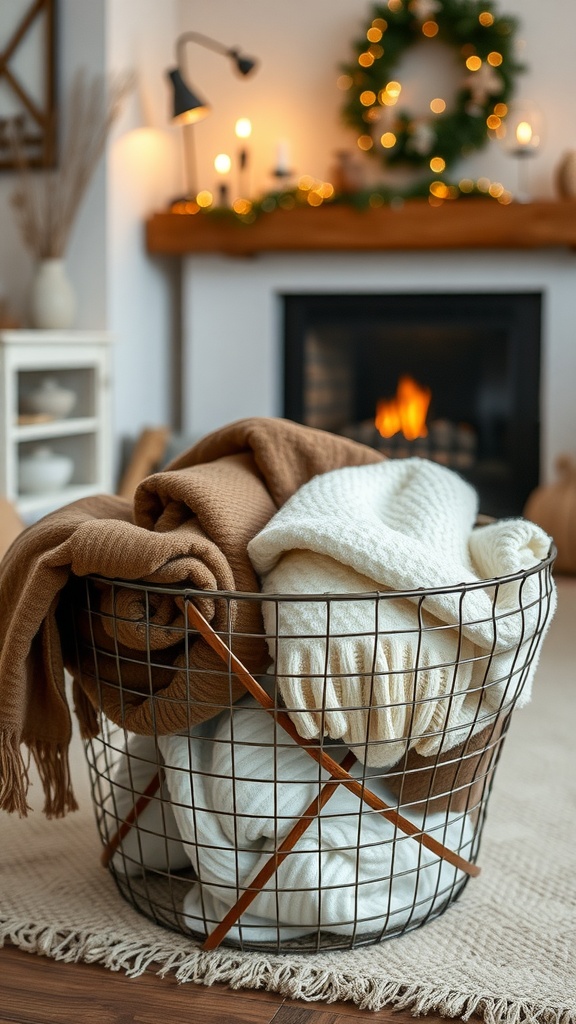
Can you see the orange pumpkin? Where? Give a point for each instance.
(553, 507)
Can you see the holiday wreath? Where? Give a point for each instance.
(483, 42)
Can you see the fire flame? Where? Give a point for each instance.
(406, 412)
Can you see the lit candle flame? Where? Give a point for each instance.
(222, 163)
(524, 133)
(243, 128)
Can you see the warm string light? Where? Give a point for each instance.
(438, 105)
(390, 94)
(437, 164)
(440, 191)
(473, 63)
(315, 191)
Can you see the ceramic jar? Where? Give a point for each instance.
(44, 471)
(49, 398)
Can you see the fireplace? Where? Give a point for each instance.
(234, 326)
(476, 355)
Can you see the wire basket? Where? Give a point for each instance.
(321, 810)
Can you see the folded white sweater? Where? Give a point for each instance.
(384, 672)
(350, 872)
(154, 841)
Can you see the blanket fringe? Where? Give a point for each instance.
(295, 978)
(54, 771)
(14, 779)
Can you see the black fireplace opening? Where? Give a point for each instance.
(474, 357)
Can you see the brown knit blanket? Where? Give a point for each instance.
(189, 525)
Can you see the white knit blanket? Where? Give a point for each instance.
(385, 673)
(352, 872)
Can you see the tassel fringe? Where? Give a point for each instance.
(14, 779)
(296, 979)
(54, 771)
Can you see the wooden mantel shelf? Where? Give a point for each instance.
(461, 224)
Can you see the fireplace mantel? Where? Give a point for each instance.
(463, 224)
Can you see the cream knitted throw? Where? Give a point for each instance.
(397, 673)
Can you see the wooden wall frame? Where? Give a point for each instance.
(31, 103)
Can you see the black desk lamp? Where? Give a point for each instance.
(187, 106)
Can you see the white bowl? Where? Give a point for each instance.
(49, 398)
(44, 471)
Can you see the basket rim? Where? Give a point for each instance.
(415, 593)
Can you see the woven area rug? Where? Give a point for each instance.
(505, 951)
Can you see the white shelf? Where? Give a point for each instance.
(78, 360)
(55, 428)
(51, 338)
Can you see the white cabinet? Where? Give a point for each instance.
(73, 361)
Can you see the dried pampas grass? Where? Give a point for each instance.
(47, 202)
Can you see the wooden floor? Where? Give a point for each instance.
(38, 990)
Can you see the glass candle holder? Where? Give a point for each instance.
(522, 139)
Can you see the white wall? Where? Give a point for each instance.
(142, 175)
(294, 95)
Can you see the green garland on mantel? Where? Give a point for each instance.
(436, 192)
(483, 44)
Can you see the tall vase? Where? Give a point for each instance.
(52, 299)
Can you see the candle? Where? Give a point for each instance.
(222, 164)
(282, 166)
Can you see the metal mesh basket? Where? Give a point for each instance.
(237, 828)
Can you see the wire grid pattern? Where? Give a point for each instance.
(167, 853)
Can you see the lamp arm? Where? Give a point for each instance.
(202, 40)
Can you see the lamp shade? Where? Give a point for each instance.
(243, 64)
(187, 107)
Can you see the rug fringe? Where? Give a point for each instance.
(295, 978)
